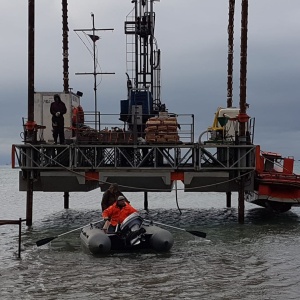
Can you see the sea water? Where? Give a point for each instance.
(256, 260)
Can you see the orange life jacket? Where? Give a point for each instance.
(77, 115)
(118, 214)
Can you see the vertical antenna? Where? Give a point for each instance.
(94, 38)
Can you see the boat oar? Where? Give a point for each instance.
(49, 239)
(194, 232)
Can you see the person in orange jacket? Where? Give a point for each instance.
(116, 214)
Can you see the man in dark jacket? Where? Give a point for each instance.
(58, 109)
(111, 196)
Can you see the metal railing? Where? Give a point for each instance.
(111, 130)
(145, 156)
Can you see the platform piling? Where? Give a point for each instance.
(228, 199)
(29, 200)
(146, 201)
(66, 200)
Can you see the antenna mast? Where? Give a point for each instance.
(94, 39)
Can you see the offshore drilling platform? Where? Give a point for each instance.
(144, 148)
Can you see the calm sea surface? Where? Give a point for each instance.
(257, 260)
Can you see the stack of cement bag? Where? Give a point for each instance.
(162, 129)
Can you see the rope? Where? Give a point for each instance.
(177, 198)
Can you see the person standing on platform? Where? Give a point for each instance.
(57, 110)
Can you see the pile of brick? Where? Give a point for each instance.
(162, 129)
(115, 136)
(105, 136)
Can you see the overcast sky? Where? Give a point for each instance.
(192, 36)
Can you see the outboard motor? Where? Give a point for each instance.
(132, 230)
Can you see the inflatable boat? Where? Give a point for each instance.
(134, 233)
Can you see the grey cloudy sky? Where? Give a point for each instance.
(192, 35)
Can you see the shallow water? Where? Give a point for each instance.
(256, 260)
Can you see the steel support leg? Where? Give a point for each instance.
(241, 202)
(228, 199)
(29, 200)
(146, 201)
(66, 200)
